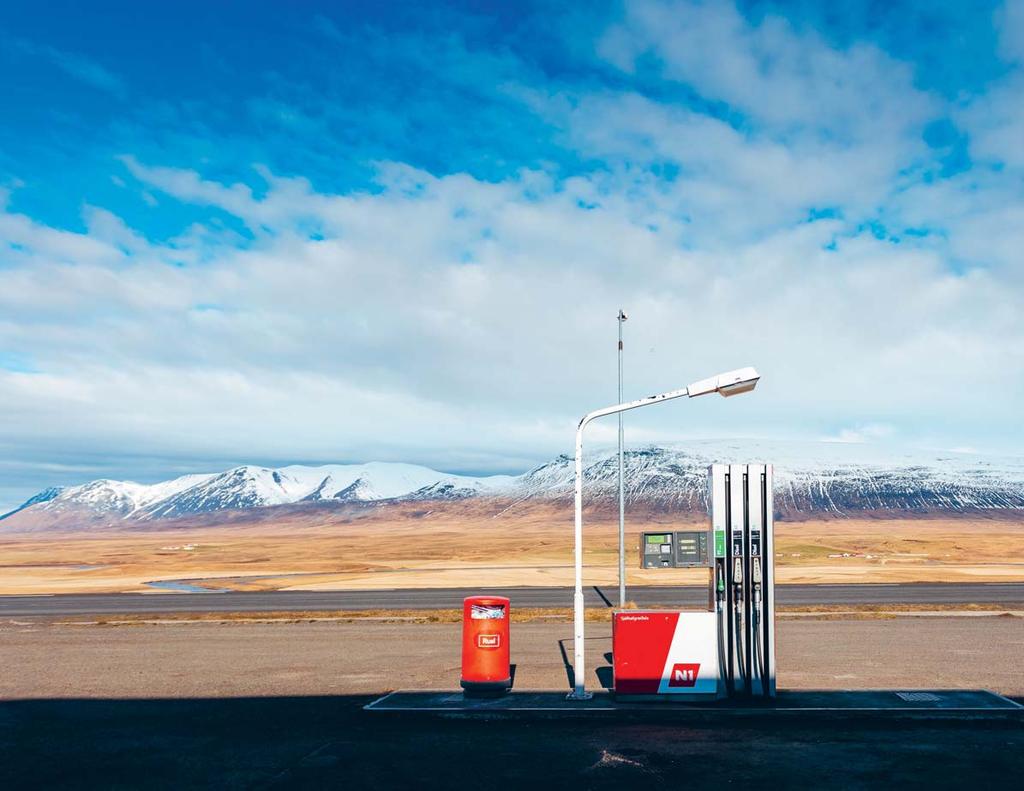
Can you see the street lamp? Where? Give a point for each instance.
(731, 383)
(622, 490)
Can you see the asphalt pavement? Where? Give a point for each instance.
(1003, 593)
(327, 742)
(260, 705)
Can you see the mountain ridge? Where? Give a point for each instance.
(826, 479)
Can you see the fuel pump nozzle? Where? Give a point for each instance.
(737, 609)
(720, 610)
(737, 584)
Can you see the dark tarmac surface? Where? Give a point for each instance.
(1007, 593)
(279, 705)
(329, 742)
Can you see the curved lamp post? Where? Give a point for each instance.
(728, 384)
(622, 490)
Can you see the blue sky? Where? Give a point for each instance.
(245, 232)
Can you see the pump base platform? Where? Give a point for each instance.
(921, 704)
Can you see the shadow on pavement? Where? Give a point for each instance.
(329, 742)
(604, 674)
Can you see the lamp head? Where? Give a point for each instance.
(742, 386)
(731, 383)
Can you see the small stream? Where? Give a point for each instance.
(183, 586)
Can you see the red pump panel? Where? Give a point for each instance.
(659, 653)
(642, 641)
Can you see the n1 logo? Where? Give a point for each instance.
(684, 674)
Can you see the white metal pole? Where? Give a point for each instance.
(578, 661)
(622, 490)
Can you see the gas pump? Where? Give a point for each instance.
(728, 650)
(741, 507)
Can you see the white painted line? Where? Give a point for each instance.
(378, 700)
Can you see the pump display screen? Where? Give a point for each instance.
(691, 548)
(679, 550)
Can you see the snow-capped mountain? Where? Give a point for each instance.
(122, 498)
(811, 478)
(253, 487)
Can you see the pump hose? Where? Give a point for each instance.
(738, 622)
(720, 609)
(758, 653)
(722, 663)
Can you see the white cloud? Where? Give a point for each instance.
(785, 125)
(464, 321)
(995, 122)
(731, 185)
(81, 68)
(1009, 19)
(979, 213)
(781, 77)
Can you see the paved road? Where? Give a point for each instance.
(1008, 593)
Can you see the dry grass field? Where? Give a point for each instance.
(406, 547)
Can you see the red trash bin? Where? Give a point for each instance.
(485, 650)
